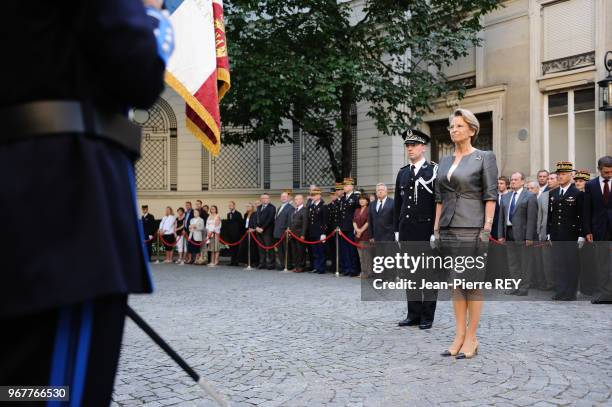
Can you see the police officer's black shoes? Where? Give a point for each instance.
(408, 322)
(425, 325)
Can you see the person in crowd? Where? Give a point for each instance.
(281, 224)
(196, 237)
(546, 272)
(503, 183)
(167, 230)
(213, 230)
(264, 229)
(188, 213)
(382, 210)
(542, 182)
(249, 224)
(597, 216)
(413, 216)
(348, 253)
(299, 226)
(361, 229)
(181, 242)
(534, 188)
(149, 228)
(518, 227)
(372, 197)
(587, 254)
(235, 230)
(581, 178)
(564, 226)
(317, 229)
(333, 210)
(466, 192)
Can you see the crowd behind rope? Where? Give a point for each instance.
(195, 235)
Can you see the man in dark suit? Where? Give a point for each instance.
(281, 223)
(381, 216)
(349, 259)
(517, 226)
(150, 228)
(317, 229)
(598, 227)
(564, 229)
(264, 231)
(299, 226)
(235, 229)
(414, 216)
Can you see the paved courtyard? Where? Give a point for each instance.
(266, 338)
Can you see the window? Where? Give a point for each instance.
(568, 28)
(570, 128)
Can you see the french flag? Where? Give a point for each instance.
(198, 69)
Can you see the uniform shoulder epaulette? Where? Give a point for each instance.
(405, 166)
(433, 163)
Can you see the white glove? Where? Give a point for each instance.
(548, 237)
(432, 241)
(397, 236)
(322, 238)
(150, 237)
(581, 242)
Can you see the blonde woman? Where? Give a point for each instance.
(213, 229)
(466, 192)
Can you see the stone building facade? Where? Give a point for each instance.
(533, 85)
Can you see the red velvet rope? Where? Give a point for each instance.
(357, 245)
(235, 243)
(269, 247)
(296, 237)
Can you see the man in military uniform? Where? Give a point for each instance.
(413, 218)
(348, 253)
(74, 71)
(333, 212)
(317, 229)
(564, 229)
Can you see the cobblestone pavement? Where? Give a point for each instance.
(274, 339)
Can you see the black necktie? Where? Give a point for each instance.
(561, 193)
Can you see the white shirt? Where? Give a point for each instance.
(299, 207)
(380, 204)
(196, 232)
(563, 190)
(210, 224)
(347, 196)
(601, 184)
(451, 170)
(167, 225)
(281, 208)
(516, 198)
(417, 166)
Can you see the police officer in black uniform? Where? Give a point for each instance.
(75, 68)
(564, 229)
(333, 211)
(317, 229)
(349, 260)
(413, 218)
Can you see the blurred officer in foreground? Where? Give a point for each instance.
(75, 69)
(413, 219)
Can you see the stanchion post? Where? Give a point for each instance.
(157, 261)
(337, 252)
(248, 267)
(286, 270)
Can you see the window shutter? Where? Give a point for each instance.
(568, 28)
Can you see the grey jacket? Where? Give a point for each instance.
(473, 182)
(524, 220)
(282, 219)
(542, 215)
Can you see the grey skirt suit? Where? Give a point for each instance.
(463, 198)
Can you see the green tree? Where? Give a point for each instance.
(309, 61)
